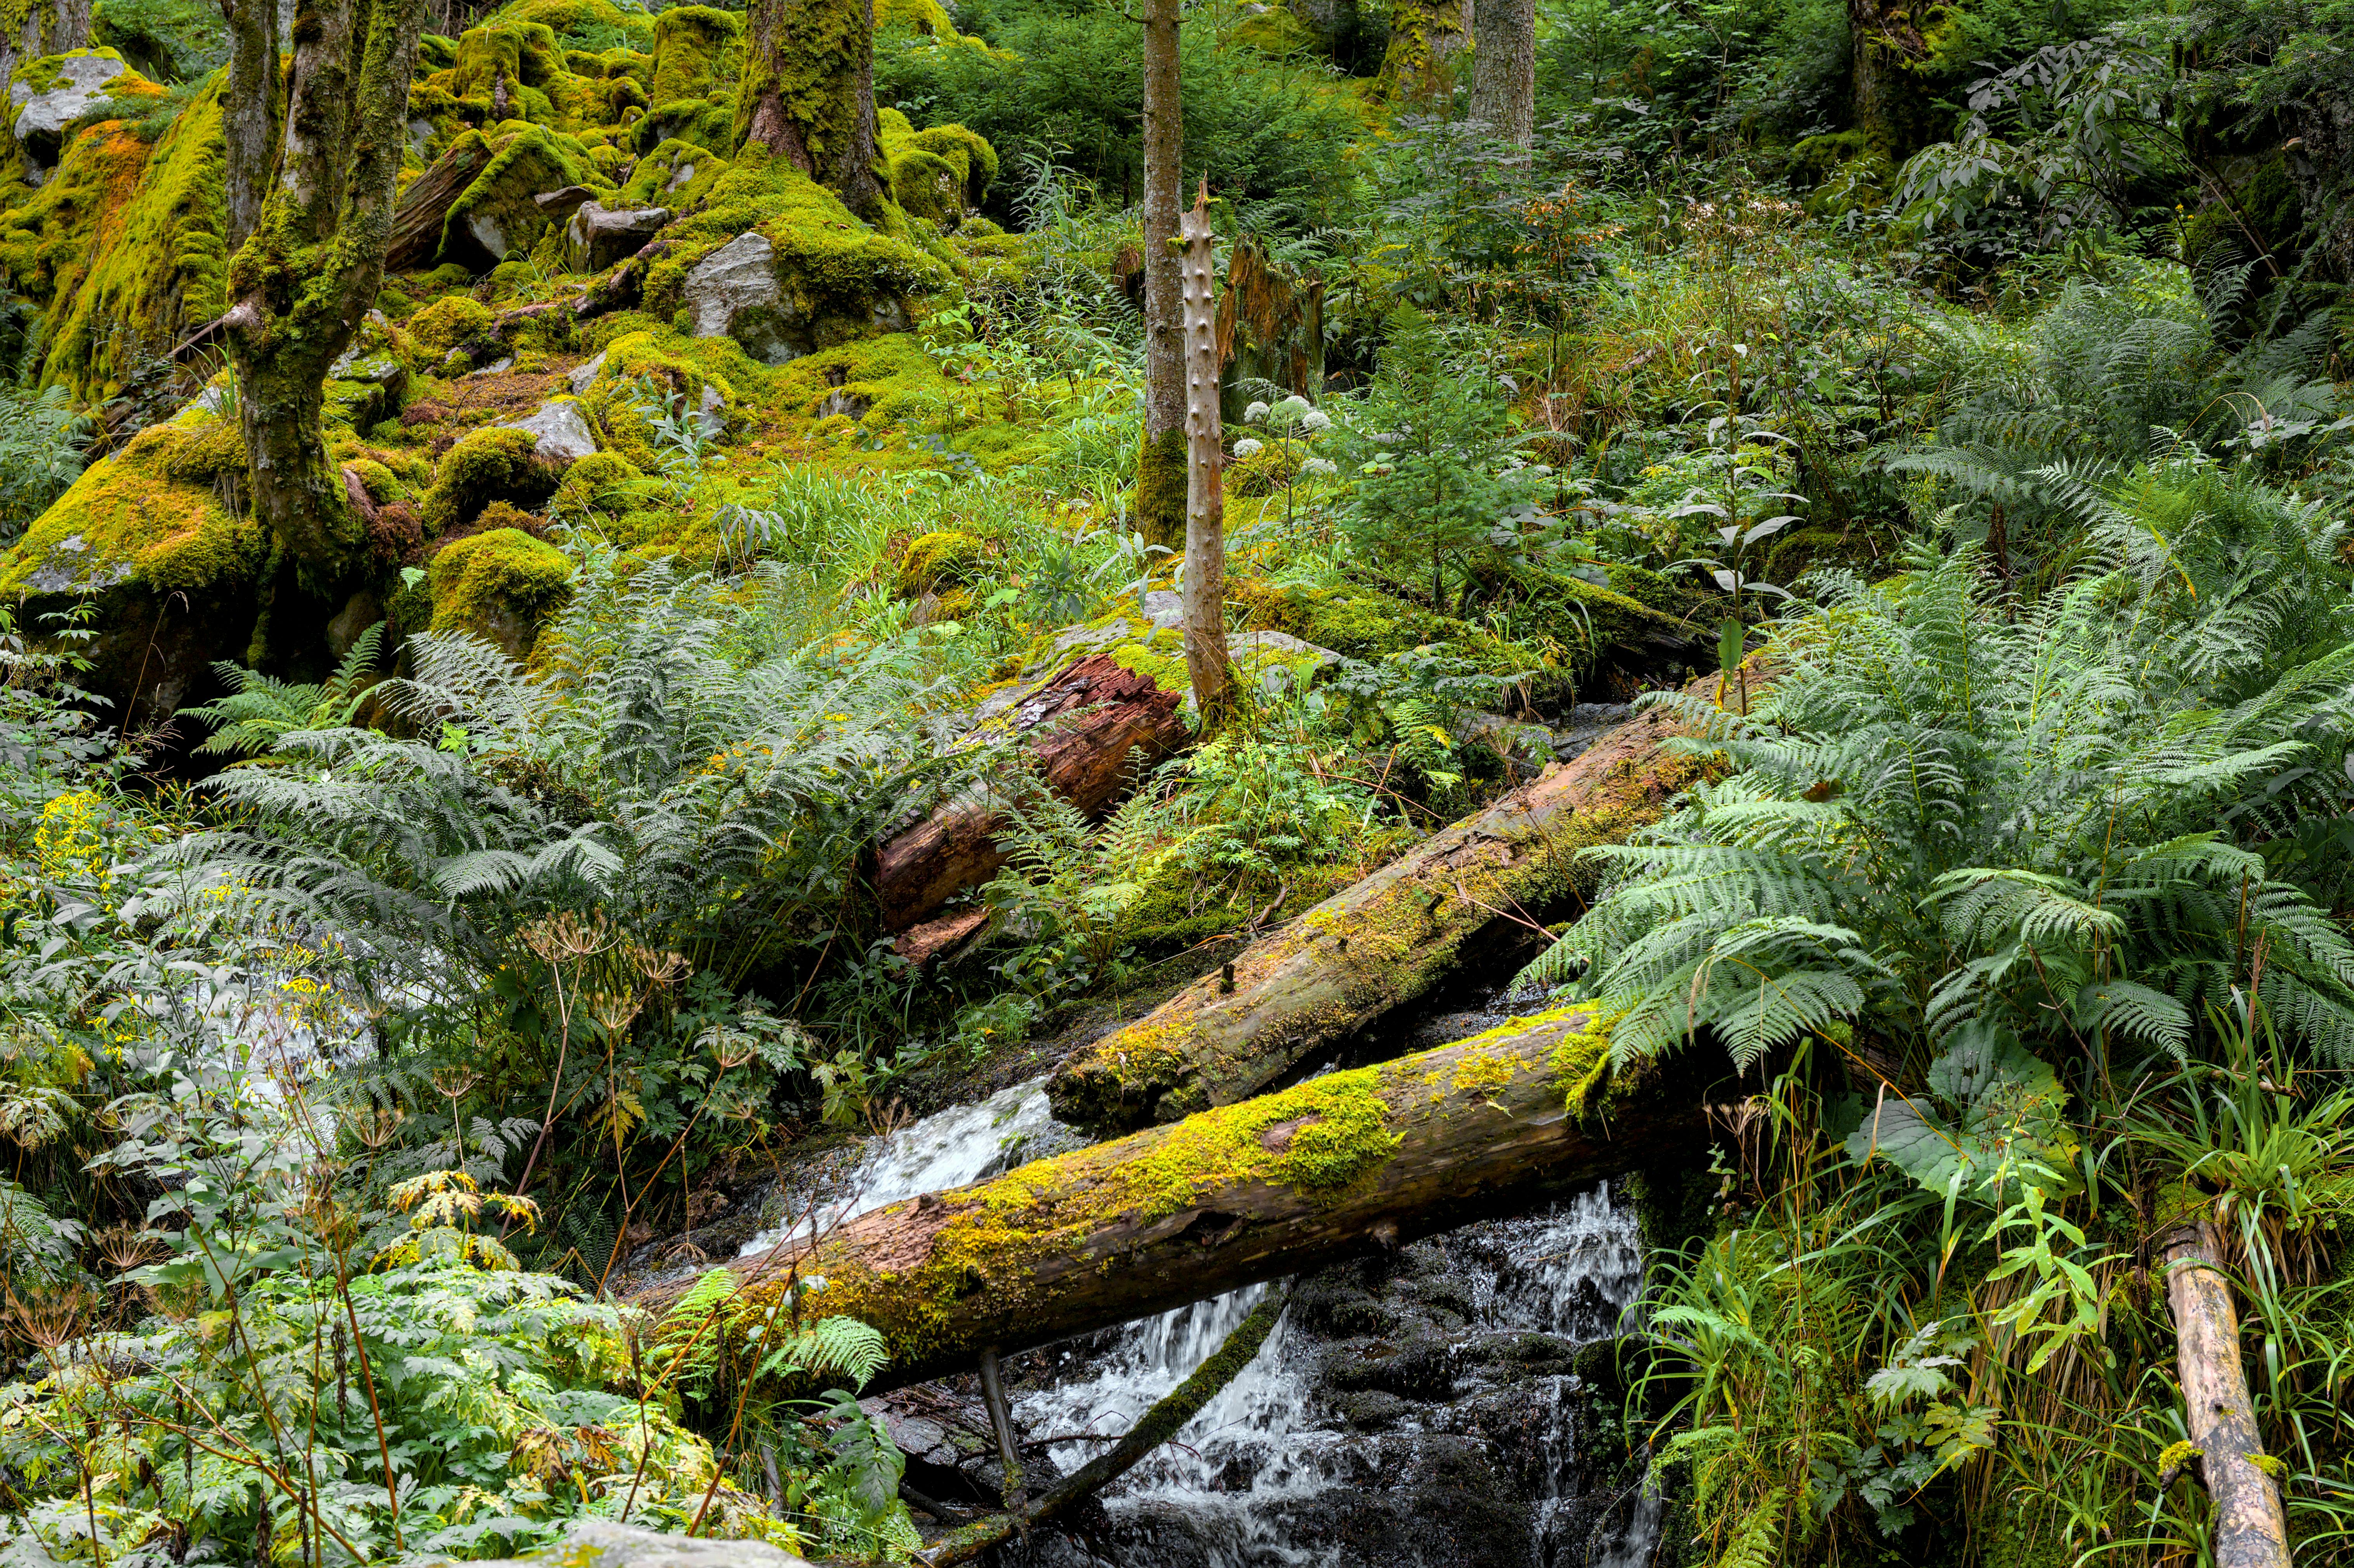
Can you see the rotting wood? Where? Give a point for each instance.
(1166, 1417)
(1382, 941)
(1338, 1167)
(2250, 1529)
(423, 209)
(1090, 733)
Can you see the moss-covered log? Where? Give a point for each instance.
(1338, 1165)
(1091, 731)
(1382, 941)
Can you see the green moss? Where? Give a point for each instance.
(813, 78)
(1361, 623)
(1847, 172)
(450, 322)
(929, 18)
(939, 175)
(596, 483)
(695, 49)
(936, 560)
(1161, 489)
(878, 381)
(488, 465)
(1277, 32)
(645, 365)
(583, 20)
(123, 247)
(498, 583)
(495, 216)
(655, 181)
(436, 51)
(147, 516)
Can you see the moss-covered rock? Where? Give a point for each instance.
(940, 173)
(123, 247)
(676, 175)
(167, 40)
(495, 216)
(498, 465)
(500, 584)
(941, 559)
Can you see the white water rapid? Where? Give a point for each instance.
(1239, 1487)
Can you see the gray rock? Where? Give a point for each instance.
(601, 1544)
(600, 236)
(583, 375)
(1163, 607)
(487, 234)
(712, 413)
(679, 177)
(421, 134)
(1281, 657)
(42, 116)
(734, 292)
(563, 203)
(562, 431)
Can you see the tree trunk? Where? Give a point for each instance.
(1890, 106)
(250, 112)
(2250, 1529)
(1504, 69)
(1381, 942)
(1161, 470)
(45, 28)
(1092, 730)
(1335, 1168)
(1205, 505)
(308, 272)
(808, 93)
(1425, 37)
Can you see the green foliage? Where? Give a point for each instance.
(259, 709)
(41, 440)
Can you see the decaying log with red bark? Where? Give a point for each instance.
(1337, 1167)
(1382, 941)
(1090, 731)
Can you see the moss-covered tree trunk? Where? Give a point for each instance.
(1337, 1167)
(1379, 943)
(808, 93)
(250, 112)
(1160, 509)
(1891, 105)
(44, 27)
(301, 284)
(1426, 38)
(1504, 69)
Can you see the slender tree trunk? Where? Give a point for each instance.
(1382, 941)
(1205, 506)
(1338, 1167)
(1504, 69)
(2250, 1531)
(1160, 483)
(814, 107)
(309, 272)
(250, 112)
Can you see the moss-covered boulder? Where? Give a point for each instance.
(500, 584)
(940, 174)
(676, 175)
(946, 558)
(779, 264)
(148, 537)
(499, 464)
(495, 216)
(167, 40)
(698, 54)
(49, 94)
(123, 247)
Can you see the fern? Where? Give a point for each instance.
(260, 712)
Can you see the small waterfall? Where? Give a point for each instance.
(964, 1144)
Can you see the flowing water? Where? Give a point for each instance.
(1267, 1476)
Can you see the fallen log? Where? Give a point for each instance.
(1091, 730)
(1166, 1417)
(424, 207)
(2250, 1531)
(1334, 1168)
(1382, 941)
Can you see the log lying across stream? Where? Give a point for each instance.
(1379, 942)
(1336, 1167)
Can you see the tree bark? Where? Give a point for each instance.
(1426, 37)
(1166, 1417)
(1335, 1168)
(1890, 105)
(808, 93)
(1160, 473)
(1205, 505)
(1504, 69)
(2251, 1531)
(1382, 941)
(308, 273)
(1091, 730)
(45, 28)
(250, 112)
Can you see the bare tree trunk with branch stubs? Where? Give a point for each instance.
(1205, 506)
(310, 270)
(1160, 509)
(2250, 1531)
(250, 112)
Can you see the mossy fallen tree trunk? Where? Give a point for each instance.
(1336, 1167)
(1380, 942)
(2250, 1531)
(1091, 731)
